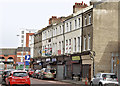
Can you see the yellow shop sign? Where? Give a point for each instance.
(75, 58)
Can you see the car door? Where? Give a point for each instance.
(96, 79)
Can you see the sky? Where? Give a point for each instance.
(29, 14)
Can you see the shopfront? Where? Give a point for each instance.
(76, 67)
(60, 68)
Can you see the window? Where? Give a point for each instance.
(62, 48)
(22, 41)
(70, 26)
(69, 41)
(60, 29)
(22, 32)
(89, 18)
(74, 44)
(67, 28)
(85, 20)
(89, 41)
(69, 45)
(20, 74)
(66, 46)
(53, 48)
(75, 24)
(78, 44)
(79, 21)
(84, 47)
(56, 31)
(22, 36)
(59, 45)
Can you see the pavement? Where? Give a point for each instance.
(80, 83)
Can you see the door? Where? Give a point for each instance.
(60, 72)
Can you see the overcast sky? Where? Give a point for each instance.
(29, 14)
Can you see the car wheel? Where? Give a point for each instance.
(100, 84)
(91, 84)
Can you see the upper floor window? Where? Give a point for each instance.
(89, 18)
(69, 41)
(79, 21)
(78, 44)
(22, 32)
(75, 24)
(67, 26)
(89, 41)
(22, 41)
(85, 20)
(66, 42)
(56, 32)
(84, 44)
(22, 36)
(74, 46)
(70, 26)
(60, 29)
(59, 45)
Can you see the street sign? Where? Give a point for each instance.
(27, 59)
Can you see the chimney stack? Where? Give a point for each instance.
(79, 6)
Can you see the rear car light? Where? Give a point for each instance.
(117, 80)
(44, 73)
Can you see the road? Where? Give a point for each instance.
(39, 82)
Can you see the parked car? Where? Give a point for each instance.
(5, 74)
(102, 79)
(35, 74)
(1, 72)
(47, 73)
(18, 77)
(30, 72)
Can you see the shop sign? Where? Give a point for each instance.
(75, 58)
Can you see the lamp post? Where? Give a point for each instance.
(92, 55)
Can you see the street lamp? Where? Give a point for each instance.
(92, 55)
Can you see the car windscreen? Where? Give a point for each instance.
(109, 76)
(19, 74)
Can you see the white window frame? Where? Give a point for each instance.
(70, 26)
(84, 47)
(89, 38)
(78, 47)
(79, 22)
(89, 18)
(85, 20)
(75, 23)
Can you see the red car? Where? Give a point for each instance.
(18, 78)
